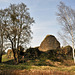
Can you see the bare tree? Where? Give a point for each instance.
(18, 29)
(66, 16)
(2, 31)
(63, 39)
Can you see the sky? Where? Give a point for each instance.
(44, 14)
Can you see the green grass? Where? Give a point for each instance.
(5, 58)
(36, 64)
(13, 67)
(24, 66)
(8, 63)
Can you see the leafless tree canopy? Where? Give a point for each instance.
(66, 16)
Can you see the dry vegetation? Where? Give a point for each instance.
(57, 68)
(42, 70)
(36, 72)
(42, 66)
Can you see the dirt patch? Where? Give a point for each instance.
(33, 72)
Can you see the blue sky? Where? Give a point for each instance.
(44, 14)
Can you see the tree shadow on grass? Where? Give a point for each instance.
(10, 62)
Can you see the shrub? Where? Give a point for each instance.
(32, 53)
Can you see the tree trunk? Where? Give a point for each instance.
(14, 53)
(16, 58)
(73, 52)
(73, 45)
(0, 58)
(1, 48)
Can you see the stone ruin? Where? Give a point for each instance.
(49, 43)
(10, 53)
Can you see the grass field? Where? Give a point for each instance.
(31, 67)
(4, 58)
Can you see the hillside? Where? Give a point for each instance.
(35, 67)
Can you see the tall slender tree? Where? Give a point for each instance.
(66, 16)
